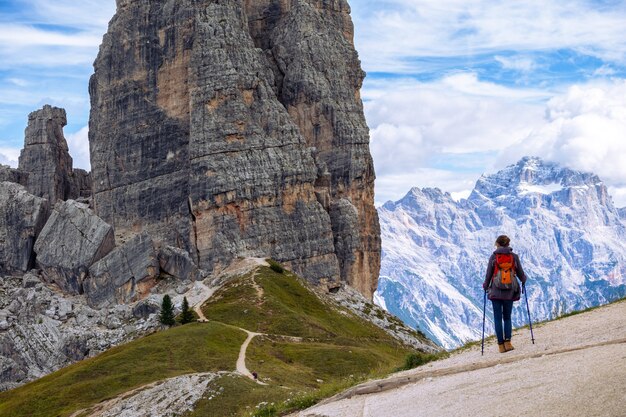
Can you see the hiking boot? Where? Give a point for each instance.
(501, 347)
(508, 346)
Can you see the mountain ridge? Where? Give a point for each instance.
(562, 223)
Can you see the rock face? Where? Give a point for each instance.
(178, 263)
(81, 184)
(42, 331)
(13, 175)
(235, 128)
(22, 216)
(124, 275)
(72, 240)
(46, 161)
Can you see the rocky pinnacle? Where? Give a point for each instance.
(45, 164)
(235, 128)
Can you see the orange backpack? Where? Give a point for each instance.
(504, 271)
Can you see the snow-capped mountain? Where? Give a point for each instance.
(570, 238)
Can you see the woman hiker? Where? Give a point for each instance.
(501, 282)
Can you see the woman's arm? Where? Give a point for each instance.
(489, 274)
(519, 271)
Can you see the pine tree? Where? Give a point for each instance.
(187, 315)
(167, 311)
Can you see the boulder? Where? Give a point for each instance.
(124, 275)
(178, 263)
(72, 240)
(143, 309)
(30, 280)
(22, 216)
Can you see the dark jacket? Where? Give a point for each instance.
(498, 294)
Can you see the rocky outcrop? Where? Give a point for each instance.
(80, 184)
(22, 216)
(42, 331)
(124, 275)
(45, 163)
(72, 240)
(232, 129)
(13, 175)
(171, 397)
(46, 156)
(178, 263)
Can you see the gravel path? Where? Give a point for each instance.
(201, 292)
(576, 368)
(241, 361)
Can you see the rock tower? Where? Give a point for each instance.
(45, 164)
(235, 128)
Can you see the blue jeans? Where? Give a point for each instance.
(502, 311)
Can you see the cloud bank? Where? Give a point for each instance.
(456, 88)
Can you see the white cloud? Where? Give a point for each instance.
(401, 29)
(18, 82)
(522, 64)
(88, 14)
(604, 71)
(457, 121)
(19, 36)
(444, 134)
(9, 156)
(585, 129)
(619, 195)
(78, 143)
(57, 33)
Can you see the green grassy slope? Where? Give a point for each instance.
(333, 349)
(181, 350)
(337, 349)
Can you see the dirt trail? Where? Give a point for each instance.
(241, 361)
(207, 293)
(237, 268)
(576, 368)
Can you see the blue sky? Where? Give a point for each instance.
(455, 88)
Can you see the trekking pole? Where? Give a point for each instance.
(482, 348)
(530, 323)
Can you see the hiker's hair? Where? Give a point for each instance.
(503, 240)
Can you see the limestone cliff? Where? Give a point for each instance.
(45, 165)
(235, 128)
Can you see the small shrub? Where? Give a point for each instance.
(413, 360)
(275, 266)
(266, 411)
(302, 403)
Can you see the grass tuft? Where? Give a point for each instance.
(413, 360)
(275, 266)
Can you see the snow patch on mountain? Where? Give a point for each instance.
(562, 223)
(525, 188)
